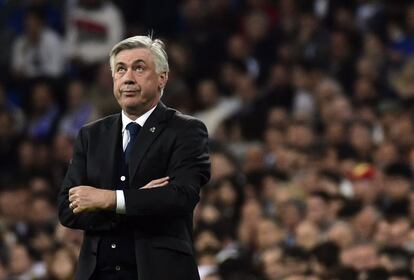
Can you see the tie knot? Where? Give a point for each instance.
(133, 128)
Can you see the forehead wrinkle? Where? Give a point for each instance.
(133, 62)
(141, 53)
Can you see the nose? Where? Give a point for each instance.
(128, 77)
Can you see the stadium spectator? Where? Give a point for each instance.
(309, 107)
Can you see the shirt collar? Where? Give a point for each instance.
(141, 120)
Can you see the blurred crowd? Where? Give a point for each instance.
(308, 104)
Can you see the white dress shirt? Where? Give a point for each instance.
(120, 198)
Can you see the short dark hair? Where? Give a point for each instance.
(326, 253)
(399, 169)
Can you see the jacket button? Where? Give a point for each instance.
(122, 178)
(113, 245)
(117, 268)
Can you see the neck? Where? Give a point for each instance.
(135, 114)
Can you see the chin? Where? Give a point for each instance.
(131, 106)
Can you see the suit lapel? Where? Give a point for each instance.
(154, 125)
(110, 149)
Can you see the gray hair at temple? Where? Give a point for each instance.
(155, 46)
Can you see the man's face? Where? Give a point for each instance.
(317, 209)
(137, 85)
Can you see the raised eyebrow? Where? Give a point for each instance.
(138, 61)
(133, 63)
(119, 64)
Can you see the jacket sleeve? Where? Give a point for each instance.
(76, 175)
(189, 170)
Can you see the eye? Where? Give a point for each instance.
(120, 69)
(139, 68)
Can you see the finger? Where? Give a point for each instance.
(156, 182)
(76, 189)
(73, 204)
(77, 210)
(73, 190)
(156, 185)
(160, 180)
(72, 197)
(73, 193)
(163, 184)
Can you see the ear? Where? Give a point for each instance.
(162, 80)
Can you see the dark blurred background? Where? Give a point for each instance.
(309, 110)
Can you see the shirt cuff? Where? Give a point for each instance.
(120, 202)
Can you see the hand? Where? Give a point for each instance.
(87, 198)
(161, 182)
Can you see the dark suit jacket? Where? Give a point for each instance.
(169, 144)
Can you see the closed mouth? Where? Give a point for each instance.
(130, 92)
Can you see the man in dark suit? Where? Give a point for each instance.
(135, 177)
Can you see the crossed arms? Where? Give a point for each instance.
(93, 208)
